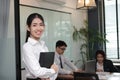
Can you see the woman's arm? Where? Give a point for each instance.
(112, 67)
(33, 65)
(109, 67)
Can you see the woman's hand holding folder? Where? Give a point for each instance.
(55, 67)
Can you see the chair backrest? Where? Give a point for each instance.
(85, 76)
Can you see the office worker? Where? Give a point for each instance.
(32, 49)
(103, 64)
(61, 61)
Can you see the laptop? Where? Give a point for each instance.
(46, 59)
(90, 66)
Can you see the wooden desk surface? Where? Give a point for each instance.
(65, 77)
(104, 76)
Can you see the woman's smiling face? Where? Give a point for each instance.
(36, 28)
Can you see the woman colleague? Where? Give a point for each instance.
(103, 64)
(32, 49)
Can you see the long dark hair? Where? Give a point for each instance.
(29, 21)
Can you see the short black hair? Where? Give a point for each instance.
(60, 43)
(100, 52)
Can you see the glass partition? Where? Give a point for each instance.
(7, 41)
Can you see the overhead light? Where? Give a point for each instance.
(85, 4)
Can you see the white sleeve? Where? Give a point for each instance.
(33, 66)
(54, 76)
(61, 71)
(64, 71)
(70, 64)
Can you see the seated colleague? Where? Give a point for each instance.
(61, 61)
(103, 64)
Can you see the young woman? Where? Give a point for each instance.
(32, 49)
(103, 64)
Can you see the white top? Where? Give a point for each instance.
(31, 53)
(65, 61)
(100, 66)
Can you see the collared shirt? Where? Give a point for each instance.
(31, 53)
(65, 61)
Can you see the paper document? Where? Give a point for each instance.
(103, 75)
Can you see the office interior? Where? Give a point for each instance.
(61, 18)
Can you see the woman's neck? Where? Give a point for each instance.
(37, 39)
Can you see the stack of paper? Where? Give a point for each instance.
(103, 75)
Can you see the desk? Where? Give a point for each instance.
(102, 76)
(109, 76)
(65, 77)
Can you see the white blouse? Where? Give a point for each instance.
(100, 66)
(31, 53)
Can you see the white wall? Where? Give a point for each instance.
(78, 16)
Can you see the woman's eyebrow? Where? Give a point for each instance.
(34, 23)
(38, 23)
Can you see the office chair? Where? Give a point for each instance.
(85, 76)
